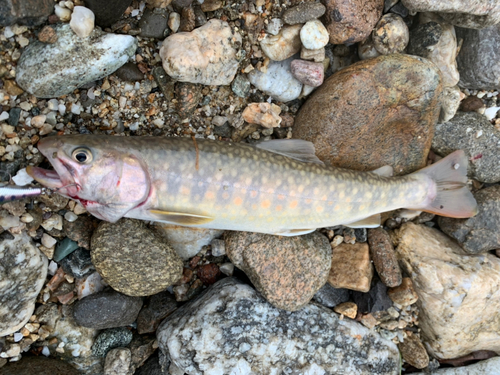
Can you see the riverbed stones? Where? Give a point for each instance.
(51, 70)
(206, 55)
(232, 326)
(383, 257)
(391, 35)
(459, 295)
(283, 45)
(366, 115)
(31, 12)
(303, 12)
(40, 366)
(23, 269)
(288, 271)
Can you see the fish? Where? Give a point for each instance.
(13, 192)
(276, 187)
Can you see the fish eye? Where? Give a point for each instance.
(82, 155)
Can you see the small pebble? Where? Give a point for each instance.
(70, 216)
(174, 21)
(218, 248)
(349, 309)
(227, 269)
(314, 35)
(48, 241)
(391, 35)
(82, 21)
(64, 14)
(308, 72)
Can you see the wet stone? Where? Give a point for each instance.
(303, 12)
(383, 257)
(403, 294)
(130, 72)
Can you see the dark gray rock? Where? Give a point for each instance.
(473, 133)
(154, 23)
(480, 233)
(375, 300)
(25, 12)
(110, 339)
(424, 36)
(160, 306)
(479, 58)
(303, 12)
(107, 309)
(14, 115)
(241, 86)
(330, 297)
(129, 72)
(78, 264)
(107, 12)
(152, 367)
(166, 84)
(39, 366)
(400, 10)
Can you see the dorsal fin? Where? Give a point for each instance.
(293, 148)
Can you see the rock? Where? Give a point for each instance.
(22, 275)
(308, 72)
(450, 102)
(351, 267)
(330, 297)
(474, 14)
(274, 26)
(373, 301)
(142, 347)
(391, 35)
(62, 13)
(134, 259)
(349, 22)
(187, 242)
(47, 35)
(479, 58)
(383, 257)
(400, 10)
(474, 134)
(14, 90)
(206, 55)
(353, 122)
(489, 366)
(303, 13)
(413, 351)
(208, 273)
(39, 366)
(314, 35)
(129, 72)
(231, 326)
(51, 70)
(30, 13)
(81, 230)
(110, 339)
(367, 50)
(241, 86)
(188, 97)
(471, 104)
(264, 114)
(166, 84)
(174, 21)
(457, 293)
(218, 248)
(152, 367)
(288, 271)
(283, 45)
(160, 306)
(348, 309)
(78, 264)
(153, 23)
(403, 294)
(480, 233)
(316, 55)
(117, 362)
(109, 12)
(82, 21)
(107, 309)
(277, 81)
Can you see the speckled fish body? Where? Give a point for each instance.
(233, 186)
(13, 193)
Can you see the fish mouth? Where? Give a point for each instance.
(45, 177)
(59, 180)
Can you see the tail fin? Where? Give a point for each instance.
(453, 198)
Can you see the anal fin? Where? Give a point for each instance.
(181, 218)
(368, 222)
(294, 232)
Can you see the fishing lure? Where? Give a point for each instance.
(13, 193)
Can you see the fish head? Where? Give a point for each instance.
(96, 171)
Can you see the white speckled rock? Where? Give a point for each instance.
(206, 55)
(314, 35)
(459, 295)
(117, 361)
(51, 70)
(23, 269)
(278, 81)
(450, 101)
(283, 45)
(82, 21)
(232, 329)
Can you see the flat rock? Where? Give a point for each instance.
(288, 271)
(232, 326)
(134, 259)
(367, 114)
(480, 233)
(206, 55)
(303, 12)
(25, 12)
(107, 12)
(473, 133)
(351, 21)
(40, 366)
(459, 295)
(51, 70)
(23, 269)
(479, 58)
(490, 366)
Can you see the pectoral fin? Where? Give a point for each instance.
(368, 222)
(294, 232)
(181, 218)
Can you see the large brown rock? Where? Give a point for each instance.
(376, 112)
(351, 21)
(288, 271)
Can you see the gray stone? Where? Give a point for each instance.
(241, 86)
(303, 12)
(107, 309)
(232, 326)
(480, 233)
(153, 23)
(23, 269)
(51, 70)
(130, 72)
(160, 305)
(479, 58)
(490, 366)
(152, 367)
(375, 300)
(134, 259)
(107, 12)
(330, 297)
(117, 362)
(473, 133)
(25, 12)
(110, 339)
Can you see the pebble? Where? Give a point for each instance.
(274, 26)
(283, 45)
(206, 55)
(153, 23)
(70, 216)
(264, 114)
(403, 294)
(383, 257)
(303, 13)
(278, 81)
(64, 14)
(391, 35)
(351, 267)
(231, 327)
(218, 248)
(316, 55)
(450, 102)
(227, 269)
(110, 339)
(64, 248)
(47, 35)
(51, 70)
(174, 21)
(314, 35)
(413, 351)
(82, 21)
(308, 72)
(48, 241)
(130, 72)
(78, 263)
(89, 284)
(107, 309)
(117, 362)
(367, 50)
(349, 309)
(330, 297)
(24, 269)
(160, 306)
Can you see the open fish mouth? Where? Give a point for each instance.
(45, 177)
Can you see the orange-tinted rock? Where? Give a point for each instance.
(351, 21)
(403, 294)
(351, 267)
(380, 111)
(288, 271)
(413, 351)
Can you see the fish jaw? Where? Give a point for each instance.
(59, 179)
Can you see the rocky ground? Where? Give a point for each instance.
(370, 83)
